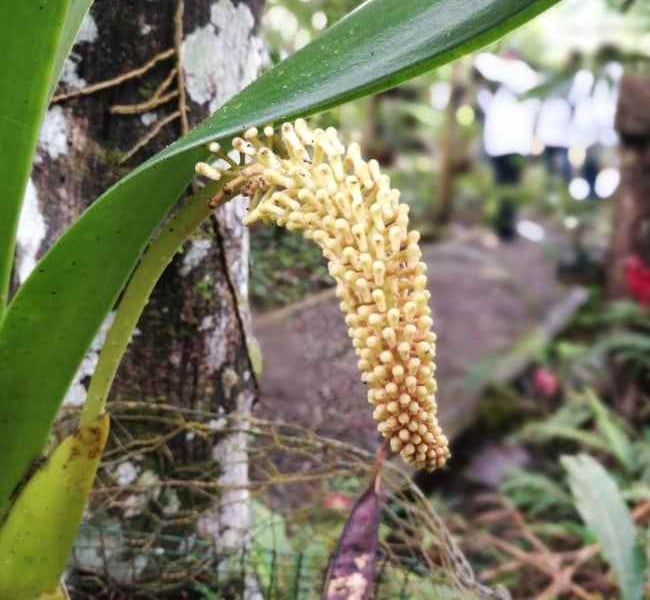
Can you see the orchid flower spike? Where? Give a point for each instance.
(307, 180)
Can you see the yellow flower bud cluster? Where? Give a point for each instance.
(307, 180)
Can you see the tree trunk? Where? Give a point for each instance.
(444, 198)
(631, 221)
(190, 349)
(630, 239)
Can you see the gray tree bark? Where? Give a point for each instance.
(631, 218)
(191, 346)
(631, 221)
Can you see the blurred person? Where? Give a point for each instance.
(583, 131)
(553, 130)
(553, 127)
(508, 129)
(594, 99)
(606, 101)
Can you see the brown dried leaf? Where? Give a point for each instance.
(351, 574)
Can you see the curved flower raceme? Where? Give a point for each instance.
(307, 180)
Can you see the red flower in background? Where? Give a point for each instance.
(637, 275)
(545, 382)
(338, 501)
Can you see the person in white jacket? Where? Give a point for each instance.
(509, 127)
(553, 131)
(592, 126)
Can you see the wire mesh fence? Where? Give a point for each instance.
(262, 524)
(168, 570)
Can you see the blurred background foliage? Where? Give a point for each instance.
(409, 129)
(568, 436)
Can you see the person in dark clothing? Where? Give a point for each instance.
(507, 173)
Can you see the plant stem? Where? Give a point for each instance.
(154, 261)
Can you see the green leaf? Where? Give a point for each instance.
(536, 492)
(603, 510)
(611, 429)
(55, 315)
(77, 10)
(544, 432)
(270, 545)
(36, 35)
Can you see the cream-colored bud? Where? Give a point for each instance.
(410, 309)
(408, 450)
(393, 317)
(373, 341)
(420, 282)
(275, 177)
(364, 312)
(378, 246)
(388, 333)
(424, 323)
(243, 146)
(391, 389)
(375, 319)
(404, 351)
(375, 170)
(377, 217)
(379, 394)
(208, 171)
(380, 372)
(395, 238)
(378, 272)
(409, 331)
(386, 357)
(411, 384)
(363, 289)
(380, 300)
(413, 255)
(359, 233)
(398, 373)
(395, 444)
(405, 400)
(413, 364)
(391, 423)
(365, 262)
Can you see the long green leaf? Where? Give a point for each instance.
(618, 442)
(77, 10)
(602, 508)
(55, 315)
(35, 38)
